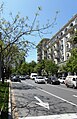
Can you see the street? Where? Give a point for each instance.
(36, 100)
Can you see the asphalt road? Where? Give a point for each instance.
(41, 100)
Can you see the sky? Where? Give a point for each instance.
(67, 9)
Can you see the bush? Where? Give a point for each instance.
(4, 96)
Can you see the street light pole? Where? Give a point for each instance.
(1, 61)
(0, 58)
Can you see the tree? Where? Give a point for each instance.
(32, 65)
(16, 30)
(73, 38)
(46, 67)
(24, 68)
(39, 67)
(71, 64)
(50, 67)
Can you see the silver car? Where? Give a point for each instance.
(39, 79)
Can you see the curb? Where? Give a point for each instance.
(12, 110)
(9, 104)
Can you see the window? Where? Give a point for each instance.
(76, 20)
(57, 37)
(71, 24)
(61, 33)
(67, 55)
(65, 29)
(74, 79)
(67, 45)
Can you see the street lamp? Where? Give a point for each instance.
(1, 62)
(0, 57)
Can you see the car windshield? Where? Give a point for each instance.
(54, 78)
(34, 75)
(39, 77)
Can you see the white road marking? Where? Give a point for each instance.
(75, 96)
(55, 96)
(41, 103)
(60, 116)
(68, 89)
(58, 97)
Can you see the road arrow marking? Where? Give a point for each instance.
(41, 103)
(75, 96)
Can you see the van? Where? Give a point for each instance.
(33, 75)
(71, 81)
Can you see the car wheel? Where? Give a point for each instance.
(47, 82)
(67, 85)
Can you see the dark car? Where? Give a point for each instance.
(27, 77)
(53, 80)
(16, 79)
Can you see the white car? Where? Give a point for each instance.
(39, 79)
(71, 81)
(61, 79)
(33, 75)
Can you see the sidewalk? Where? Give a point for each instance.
(12, 110)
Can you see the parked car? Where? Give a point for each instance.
(53, 80)
(27, 77)
(33, 75)
(62, 79)
(71, 81)
(39, 79)
(16, 79)
(46, 78)
(22, 77)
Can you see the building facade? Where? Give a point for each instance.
(59, 46)
(42, 49)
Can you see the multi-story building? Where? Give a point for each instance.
(59, 46)
(42, 49)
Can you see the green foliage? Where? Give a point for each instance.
(71, 64)
(46, 67)
(50, 67)
(14, 32)
(75, 37)
(24, 68)
(4, 94)
(38, 68)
